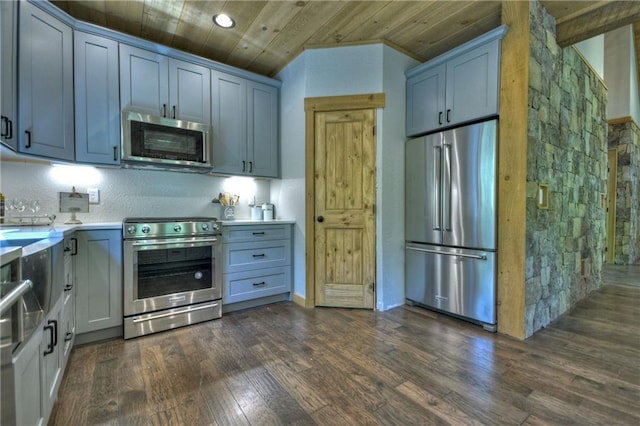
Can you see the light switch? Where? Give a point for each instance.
(542, 198)
(94, 195)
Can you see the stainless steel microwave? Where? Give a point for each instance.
(164, 142)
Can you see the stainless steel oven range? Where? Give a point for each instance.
(172, 273)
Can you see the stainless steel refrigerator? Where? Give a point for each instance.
(450, 222)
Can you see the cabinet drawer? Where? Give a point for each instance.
(248, 256)
(249, 285)
(233, 234)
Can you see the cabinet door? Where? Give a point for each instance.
(228, 95)
(51, 358)
(189, 92)
(68, 308)
(426, 101)
(265, 254)
(26, 377)
(473, 81)
(45, 85)
(144, 81)
(97, 101)
(98, 280)
(8, 70)
(253, 284)
(262, 129)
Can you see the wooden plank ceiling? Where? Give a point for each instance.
(269, 34)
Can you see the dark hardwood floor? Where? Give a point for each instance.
(283, 364)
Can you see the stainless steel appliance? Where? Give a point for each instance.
(172, 273)
(163, 142)
(450, 222)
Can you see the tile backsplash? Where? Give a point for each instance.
(126, 192)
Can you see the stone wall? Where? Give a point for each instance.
(567, 150)
(625, 137)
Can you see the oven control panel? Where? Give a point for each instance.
(134, 228)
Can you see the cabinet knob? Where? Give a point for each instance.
(320, 219)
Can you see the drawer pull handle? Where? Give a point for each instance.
(259, 255)
(258, 233)
(259, 284)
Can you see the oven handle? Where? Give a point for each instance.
(168, 314)
(172, 242)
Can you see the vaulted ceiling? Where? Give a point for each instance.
(269, 34)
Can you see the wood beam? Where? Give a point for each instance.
(512, 169)
(607, 17)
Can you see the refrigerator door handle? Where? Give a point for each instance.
(446, 189)
(436, 211)
(472, 256)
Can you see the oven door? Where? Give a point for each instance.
(167, 273)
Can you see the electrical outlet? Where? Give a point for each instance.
(94, 195)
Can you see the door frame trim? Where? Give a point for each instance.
(311, 106)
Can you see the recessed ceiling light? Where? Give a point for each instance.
(224, 21)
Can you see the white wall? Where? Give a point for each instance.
(390, 158)
(125, 192)
(620, 74)
(288, 193)
(348, 71)
(593, 51)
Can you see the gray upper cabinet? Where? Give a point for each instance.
(262, 129)
(189, 91)
(46, 112)
(159, 85)
(8, 70)
(144, 80)
(473, 81)
(426, 100)
(245, 126)
(459, 86)
(97, 101)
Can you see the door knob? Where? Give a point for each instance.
(320, 219)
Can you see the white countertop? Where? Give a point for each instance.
(12, 232)
(8, 254)
(256, 222)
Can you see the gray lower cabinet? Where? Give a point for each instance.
(46, 126)
(68, 326)
(52, 357)
(8, 72)
(257, 264)
(245, 125)
(38, 370)
(27, 373)
(98, 282)
(97, 99)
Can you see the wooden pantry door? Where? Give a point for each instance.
(342, 216)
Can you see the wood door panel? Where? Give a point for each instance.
(343, 256)
(344, 180)
(345, 195)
